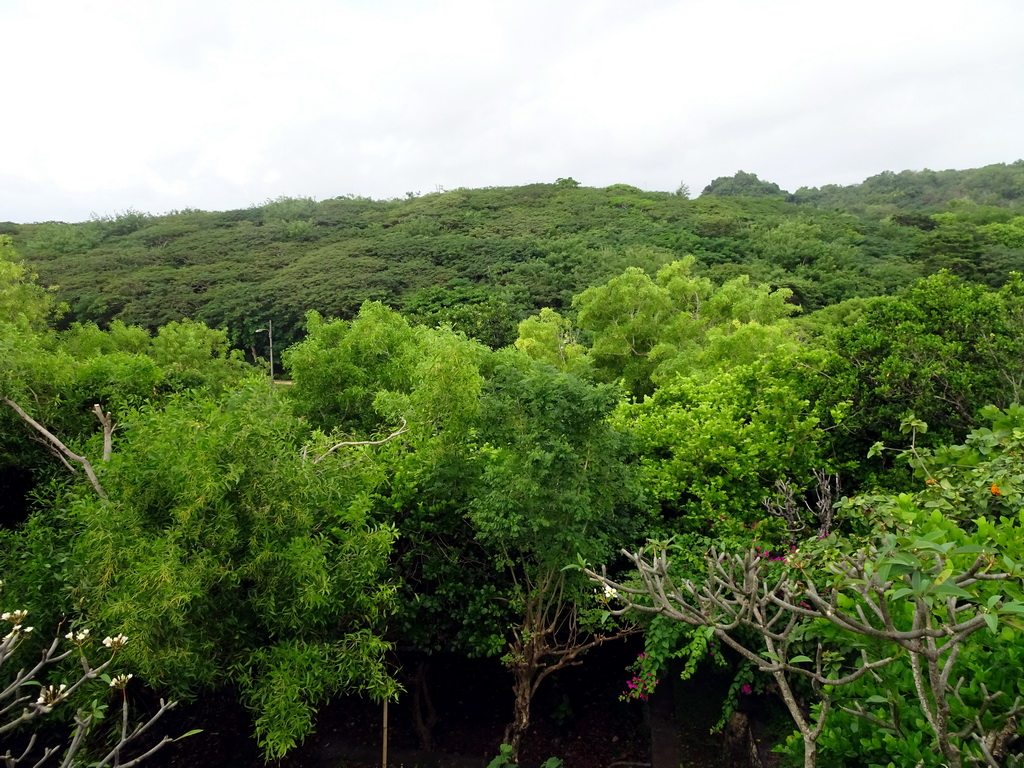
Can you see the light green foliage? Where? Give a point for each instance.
(23, 302)
(195, 355)
(378, 369)
(340, 366)
(1010, 234)
(284, 683)
(231, 558)
(647, 331)
(626, 317)
(25, 309)
(551, 338)
(58, 377)
(370, 376)
(713, 446)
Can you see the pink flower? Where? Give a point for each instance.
(746, 689)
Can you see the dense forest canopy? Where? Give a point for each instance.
(483, 259)
(493, 392)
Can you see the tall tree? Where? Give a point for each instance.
(555, 487)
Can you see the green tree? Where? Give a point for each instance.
(906, 638)
(555, 487)
(551, 338)
(743, 184)
(236, 554)
(377, 373)
(942, 350)
(645, 331)
(715, 445)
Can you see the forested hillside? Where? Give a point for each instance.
(800, 421)
(484, 259)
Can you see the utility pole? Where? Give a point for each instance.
(269, 330)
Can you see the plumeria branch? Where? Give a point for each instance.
(19, 707)
(738, 593)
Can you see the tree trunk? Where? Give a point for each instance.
(810, 751)
(424, 714)
(522, 688)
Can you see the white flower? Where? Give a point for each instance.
(50, 695)
(15, 617)
(120, 681)
(115, 643)
(610, 593)
(78, 638)
(16, 630)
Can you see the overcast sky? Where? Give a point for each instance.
(216, 104)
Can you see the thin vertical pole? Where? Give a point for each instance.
(384, 756)
(270, 335)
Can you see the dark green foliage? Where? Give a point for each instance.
(556, 483)
(522, 248)
(743, 184)
(487, 315)
(942, 350)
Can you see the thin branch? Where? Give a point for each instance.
(54, 442)
(108, 430)
(402, 430)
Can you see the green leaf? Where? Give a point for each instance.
(948, 588)
(971, 549)
(991, 620)
(800, 659)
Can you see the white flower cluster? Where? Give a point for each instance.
(610, 593)
(51, 694)
(115, 643)
(120, 681)
(16, 618)
(78, 638)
